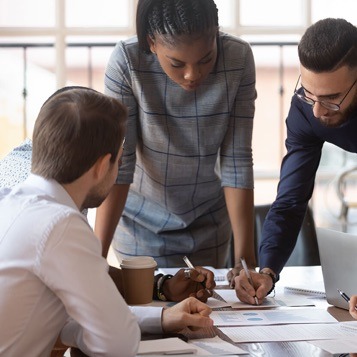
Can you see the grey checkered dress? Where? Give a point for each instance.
(181, 149)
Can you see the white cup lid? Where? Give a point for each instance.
(140, 262)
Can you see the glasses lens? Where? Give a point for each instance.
(330, 106)
(305, 99)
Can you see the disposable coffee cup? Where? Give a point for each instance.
(138, 279)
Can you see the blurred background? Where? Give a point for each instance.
(47, 44)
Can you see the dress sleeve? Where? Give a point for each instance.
(236, 150)
(297, 176)
(118, 84)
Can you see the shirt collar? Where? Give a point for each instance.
(51, 188)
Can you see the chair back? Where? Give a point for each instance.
(306, 250)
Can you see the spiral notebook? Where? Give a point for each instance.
(318, 289)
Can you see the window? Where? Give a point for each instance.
(34, 13)
(104, 13)
(55, 53)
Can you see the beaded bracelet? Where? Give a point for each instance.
(154, 292)
(159, 287)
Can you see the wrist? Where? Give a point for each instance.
(272, 275)
(154, 292)
(240, 267)
(160, 293)
(269, 271)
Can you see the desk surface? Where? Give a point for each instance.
(290, 275)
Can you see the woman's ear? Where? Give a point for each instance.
(151, 43)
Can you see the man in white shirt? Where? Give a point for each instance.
(54, 282)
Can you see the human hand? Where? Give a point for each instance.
(235, 272)
(232, 274)
(262, 284)
(199, 284)
(353, 306)
(190, 313)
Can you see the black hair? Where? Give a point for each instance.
(328, 45)
(173, 18)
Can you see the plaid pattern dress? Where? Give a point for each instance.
(181, 148)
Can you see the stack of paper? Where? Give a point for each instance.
(165, 346)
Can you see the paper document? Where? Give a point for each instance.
(165, 346)
(340, 346)
(215, 303)
(294, 300)
(229, 295)
(271, 317)
(215, 346)
(349, 326)
(279, 333)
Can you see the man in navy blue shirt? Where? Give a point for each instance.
(323, 109)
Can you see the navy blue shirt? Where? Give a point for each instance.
(305, 139)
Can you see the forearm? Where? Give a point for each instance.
(108, 215)
(240, 206)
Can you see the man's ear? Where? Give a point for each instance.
(101, 167)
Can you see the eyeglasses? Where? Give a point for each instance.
(330, 106)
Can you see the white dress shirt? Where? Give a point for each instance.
(53, 279)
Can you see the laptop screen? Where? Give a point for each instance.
(338, 255)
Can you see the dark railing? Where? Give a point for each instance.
(91, 45)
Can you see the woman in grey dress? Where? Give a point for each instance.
(186, 180)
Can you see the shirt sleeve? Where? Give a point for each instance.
(71, 265)
(283, 222)
(149, 318)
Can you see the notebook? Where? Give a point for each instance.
(165, 346)
(318, 289)
(338, 256)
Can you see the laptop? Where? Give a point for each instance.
(338, 256)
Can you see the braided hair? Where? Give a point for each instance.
(173, 18)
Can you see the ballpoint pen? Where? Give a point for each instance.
(191, 266)
(249, 277)
(213, 293)
(345, 296)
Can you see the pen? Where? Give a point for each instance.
(345, 296)
(249, 277)
(191, 266)
(211, 293)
